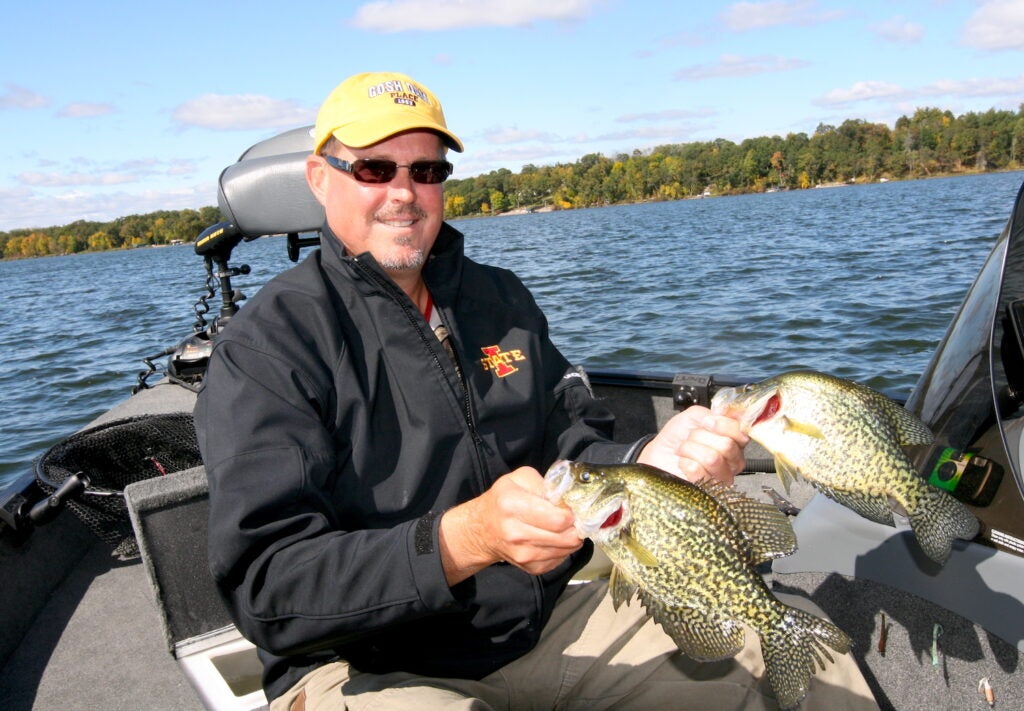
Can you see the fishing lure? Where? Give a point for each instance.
(936, 633)
(985, 689)
(883, 636)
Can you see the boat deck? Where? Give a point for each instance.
(97, 644)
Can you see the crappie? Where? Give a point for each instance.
(846, 439)
(689, 552)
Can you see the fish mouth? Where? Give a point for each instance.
(604, 520)
(558, 480)
(591, 519)
(748, 407)
(770, 407)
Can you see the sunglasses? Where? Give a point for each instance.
(372, 170)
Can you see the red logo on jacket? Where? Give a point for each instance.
(499, 361)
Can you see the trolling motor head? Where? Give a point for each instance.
(217, 241)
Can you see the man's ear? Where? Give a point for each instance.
(316, 177)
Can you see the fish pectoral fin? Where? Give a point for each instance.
(873, 508)
(698, 635)
(622, 588)
(805, 428)
(643, 556)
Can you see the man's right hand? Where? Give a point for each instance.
(513, 522)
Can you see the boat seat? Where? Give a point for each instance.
(169, 518)
(265, 191)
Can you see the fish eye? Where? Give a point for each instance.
(748, 387)
(585, 476)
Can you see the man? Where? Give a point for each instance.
(378, 522)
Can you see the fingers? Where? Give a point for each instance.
(714, 449)
(697, 444)
(522, 499)
(511, 522)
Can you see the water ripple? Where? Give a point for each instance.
(860, 282)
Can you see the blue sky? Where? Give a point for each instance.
(114, 108)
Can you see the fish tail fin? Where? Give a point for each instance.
(792, 648)
(937, 520)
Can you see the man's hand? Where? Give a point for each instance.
(696, 444)
(513, 522)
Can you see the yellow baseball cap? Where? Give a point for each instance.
(367, 108)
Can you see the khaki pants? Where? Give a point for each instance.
(589, 657)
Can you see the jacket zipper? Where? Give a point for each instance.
(401, 299)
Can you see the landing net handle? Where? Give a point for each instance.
(111, 456)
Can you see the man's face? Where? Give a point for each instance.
(397, 222)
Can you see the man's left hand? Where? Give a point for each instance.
(696, 444)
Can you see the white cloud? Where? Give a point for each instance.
(84, 109)
(61, 179)
(19, 97)
(24, 207)
(672, 132)
(745, 16)
(732, 65)
(998, 24)
(130, 171)
(505, 136)
(955, 88)
(225, 112)
(976, 87)
(898, 29)
(181, 166)
(666, 115)
(862, 91)
(434, 15)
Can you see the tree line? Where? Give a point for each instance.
(162, 227)
(928, 143)
(931, 142)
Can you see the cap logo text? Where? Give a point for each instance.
(407, 93)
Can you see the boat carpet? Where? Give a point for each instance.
(97, 645)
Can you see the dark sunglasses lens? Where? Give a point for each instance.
(430, 172)
(374, 171)
(368, 170)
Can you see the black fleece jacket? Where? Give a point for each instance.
(335, 431)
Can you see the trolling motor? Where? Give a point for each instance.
(214, 244)
(187, 360)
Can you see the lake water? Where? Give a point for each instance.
(859, 281)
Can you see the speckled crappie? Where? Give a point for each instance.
(846, 439)
(689, 553)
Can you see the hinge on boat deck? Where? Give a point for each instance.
(690, 390)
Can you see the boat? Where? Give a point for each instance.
(107, 601)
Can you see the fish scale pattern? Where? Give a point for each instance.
(688, 552)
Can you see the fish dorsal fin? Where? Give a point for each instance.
(699, 635)
(804, 428)
(767, 531)
(908, 426)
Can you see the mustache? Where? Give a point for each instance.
(409, 212)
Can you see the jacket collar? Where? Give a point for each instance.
(442, 272)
